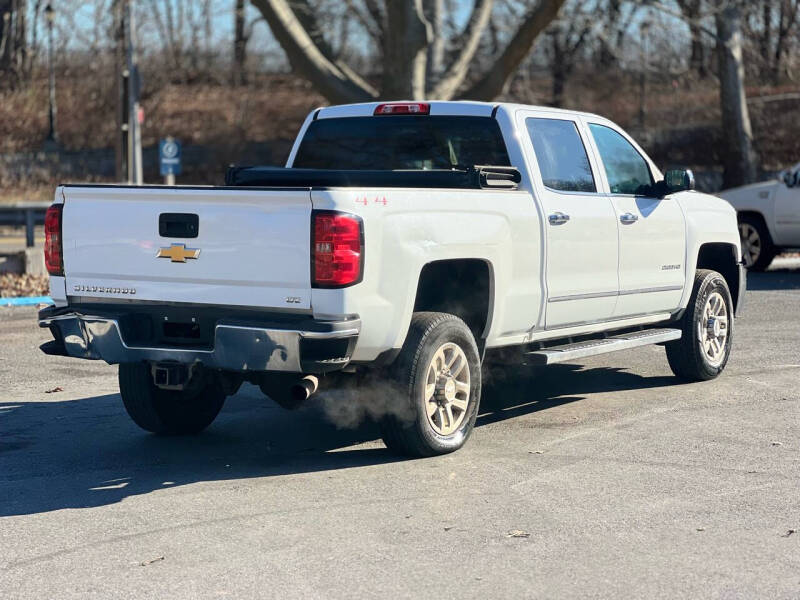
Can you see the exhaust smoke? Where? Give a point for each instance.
(362, 398)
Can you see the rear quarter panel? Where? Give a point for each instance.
(406, 229)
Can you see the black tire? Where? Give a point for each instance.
(408, 430)
(687, 356)
(168, 412)
(753, 233)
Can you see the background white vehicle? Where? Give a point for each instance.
(769, 217)
(386, 250)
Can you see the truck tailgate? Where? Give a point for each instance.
(252, 247)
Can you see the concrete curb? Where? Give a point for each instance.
(26, 301)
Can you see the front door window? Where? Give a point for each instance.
(627, 171)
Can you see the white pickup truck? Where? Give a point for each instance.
(410, 242)
(769, 217)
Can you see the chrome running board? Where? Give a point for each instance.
(625, 341)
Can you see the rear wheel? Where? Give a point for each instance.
(438, 387)
(757, 248)
(169, 412)
(703, 350)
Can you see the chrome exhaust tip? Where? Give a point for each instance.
(289, 391)
(304, 389)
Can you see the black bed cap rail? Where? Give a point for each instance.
(477, 177)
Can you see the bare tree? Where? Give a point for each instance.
(240, 39)
(565, 39)
(740, 160)
(169, 28)
(13, 40)
(434, 13)
(698, 59)
(405, 37)
(739, 157)
(778, 19)
(614, 18)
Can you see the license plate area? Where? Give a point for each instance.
(170, 328)
(181, 331)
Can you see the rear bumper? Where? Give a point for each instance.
(298, 346)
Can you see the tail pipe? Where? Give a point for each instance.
(288, 391)
(304, 389)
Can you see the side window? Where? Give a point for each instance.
(626, 169)
(561, 155)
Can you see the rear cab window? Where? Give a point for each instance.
(561, 155)
(412, 142)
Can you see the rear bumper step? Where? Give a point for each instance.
(236, 346)
(567, 352)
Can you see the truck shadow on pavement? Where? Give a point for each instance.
(774, 279)
(86, 453)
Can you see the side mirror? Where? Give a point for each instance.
(679, 180)
(790, 178)
(675, 180)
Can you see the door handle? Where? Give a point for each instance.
(558, 218)
(628, 218)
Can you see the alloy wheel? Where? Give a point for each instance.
(713, 327)
(447, 389)
(751, 244)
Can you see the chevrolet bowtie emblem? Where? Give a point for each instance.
(178, 253)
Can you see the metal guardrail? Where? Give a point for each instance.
(24, 215)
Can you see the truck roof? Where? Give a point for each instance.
(441, 107)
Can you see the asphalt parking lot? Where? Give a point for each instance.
(603, 479)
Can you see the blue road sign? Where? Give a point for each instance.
(169, 156)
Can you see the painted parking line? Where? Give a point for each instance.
(26, 301)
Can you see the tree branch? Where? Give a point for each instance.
(366, 20)
(306, 15)
(537, 20)
(305, 57)
(454, 77)
(378, 15)
(682, 16)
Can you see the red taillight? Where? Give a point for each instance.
(404, 108)
(337, 249)
(53, 246)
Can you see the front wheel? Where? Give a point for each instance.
(168, 412)
(703, 350)
(438, 387)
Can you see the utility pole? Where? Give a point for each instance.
(52, 139)
(123, 78)
(129, 135)
(135, 132)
